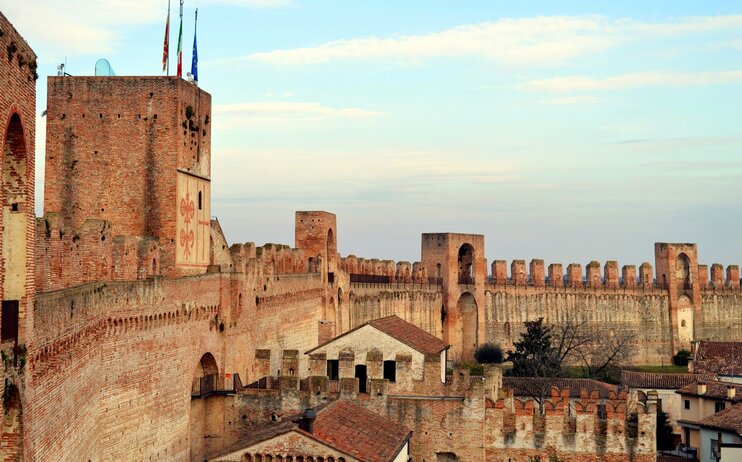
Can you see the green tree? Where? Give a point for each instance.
(534, 355)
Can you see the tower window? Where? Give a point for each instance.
(200, 201)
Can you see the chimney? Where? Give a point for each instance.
(307, 420)
(731, 391)
(701, 388)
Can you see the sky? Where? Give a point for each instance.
(564, 130)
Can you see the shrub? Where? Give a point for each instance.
(488, 353)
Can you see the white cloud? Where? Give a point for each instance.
(568, 100)
(90, 26)
(262, 112)
(577, 83)
(516, 42)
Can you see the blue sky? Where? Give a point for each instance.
(568, 131)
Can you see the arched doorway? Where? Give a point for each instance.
(685, 319)
(205, 424)
(466, 264)
(460, 330)
(682, 271)
(331, 253)
(14, 218)
(11, 445)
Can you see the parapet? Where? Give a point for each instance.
(68, 257)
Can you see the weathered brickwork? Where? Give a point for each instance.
(132, 303)
(118, 158)
(17, 138)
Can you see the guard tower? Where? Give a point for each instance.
(134, 151)
(457, 261)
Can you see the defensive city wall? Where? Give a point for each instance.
(129, 323)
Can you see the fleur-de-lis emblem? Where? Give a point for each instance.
(187, 208)
(187, 239)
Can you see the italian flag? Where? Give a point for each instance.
(180, 48)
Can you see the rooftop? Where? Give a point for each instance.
(661, 381)
(343, 425)
(523, 386)
(714, 390)
(728, 419)
(723, 358)
(407, 333)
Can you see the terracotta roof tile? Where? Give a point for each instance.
(714, 389)
(522, 386)
(728, 419)
(343, 425)
(410, 334)
(659, 381)
(723, 358)
(359, 432)
(407, 333)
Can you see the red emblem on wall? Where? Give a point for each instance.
(187, 211)
(187, 208)
(187, 239)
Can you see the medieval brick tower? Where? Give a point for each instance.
(457, 261)
(17, 107)
(134, 151)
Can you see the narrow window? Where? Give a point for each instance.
(9, 330)
(200, 201)
(390, 370)
(719, 406)
(687, 404)
(333, 369)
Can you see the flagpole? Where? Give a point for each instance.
(168, 39)
(180, 40)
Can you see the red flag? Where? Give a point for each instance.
(166, 45)
(180, 42)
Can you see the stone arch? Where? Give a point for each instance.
(682, 271)
(685, 318)
(461, 326)
(205, 425)
(466, 264)
(331, 251)
(11, 445)
(15, 206)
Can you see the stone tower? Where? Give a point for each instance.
(457, 261)
(134, 151)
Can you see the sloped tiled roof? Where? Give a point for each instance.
(660, 381)
(342, 425)
(356, 431)
(410, 334)
(722, 358)
(398, 328)
(523, 386)
(728, 419)
(714, 390)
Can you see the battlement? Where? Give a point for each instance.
(569, 425)
(68, 257)
(459, 383)
(594, 276)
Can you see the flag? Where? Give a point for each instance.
(166, 45)
(180, 42)
(194, 62)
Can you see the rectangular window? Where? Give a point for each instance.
(333, 369)
(390, 370)
(9, 328)
(719, 406)
(687, 404)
